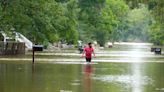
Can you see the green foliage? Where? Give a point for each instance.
(71, 22)
(157, 34)
(41, 21)
(48, 21)
(114, 15)
(89, 18)
(101, 36)
(138, 23)
(100, 19)
(156, 9)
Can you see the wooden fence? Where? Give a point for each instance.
(12, 48)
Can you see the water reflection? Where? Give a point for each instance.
(33, 72)
(133, 80)
(137, 77)
(127, 74)
(88, 70)
(136, 71)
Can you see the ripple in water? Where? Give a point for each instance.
(126, 79)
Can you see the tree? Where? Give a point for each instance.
(70, 34)
(156, 7)
(89, 18)
(39, 20)
(101, 19)
(138, 24)
(156, 34)
(113, 16)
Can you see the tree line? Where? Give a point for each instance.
(49, 21)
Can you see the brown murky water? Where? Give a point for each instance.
(125, 68)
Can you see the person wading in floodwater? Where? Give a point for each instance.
(88, 50)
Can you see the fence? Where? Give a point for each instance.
(12, 48)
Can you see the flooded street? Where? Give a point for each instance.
(124, 68)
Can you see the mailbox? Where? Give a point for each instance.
(37, 47)
(157, 51)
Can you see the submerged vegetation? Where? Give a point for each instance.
(49, 21)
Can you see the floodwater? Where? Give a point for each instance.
(124, 68)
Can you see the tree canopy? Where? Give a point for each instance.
(49, 21)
